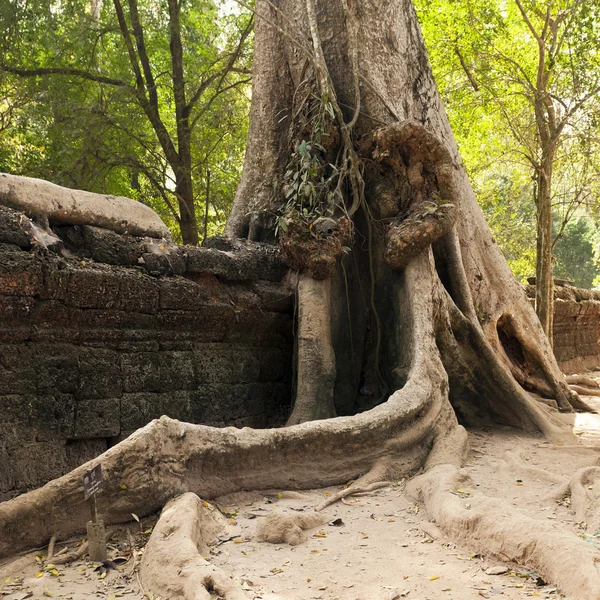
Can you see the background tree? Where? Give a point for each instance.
(534, 67)
(141, 98)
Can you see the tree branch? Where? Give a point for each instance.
(463, 64)
(142, 53)
(223, 73)
(139, 80)
(528, 22)
(41, 72)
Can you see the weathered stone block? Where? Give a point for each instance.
(79, 452)
(207, 260)
(53, 417)
(109, 247)
(33, 464)
(275, 364)
(138, 293)
(93, 288)
(56, 367)
(97, 418)
(17, 370)
(14, 228)
(226, 364)
(99, 374)
(139, 409)
(208, 325)
(141, 372)
(20, 274)
(167, 263)
(177, 370)
(182, 294)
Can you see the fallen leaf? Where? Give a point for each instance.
(135, 517)
(434, 577)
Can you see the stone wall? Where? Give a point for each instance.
(576, 328)
(101, 333)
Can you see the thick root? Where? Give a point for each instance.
(173, 565)
(585, 497)
(167, 457)
(316, 358)
(493, 526)
(583, 381)
(352, 491)
(585, 391)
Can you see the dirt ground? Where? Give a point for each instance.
(379, 546)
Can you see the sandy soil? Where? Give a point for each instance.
(378, 546)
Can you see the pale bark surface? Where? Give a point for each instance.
(44, 200)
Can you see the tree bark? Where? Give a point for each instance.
(544, 276)
(411, 157)
(188, 221)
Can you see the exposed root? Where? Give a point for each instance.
(76, 554)
(517, 463)
(316, 357)
(530, 366)
(168, 457)
(493, 526)
(584, 490)
(586, 391)
(283, 528)
(173, 565)
(583, 381)
(50, 552)
(351, 491)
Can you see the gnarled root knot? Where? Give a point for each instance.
(425, 175)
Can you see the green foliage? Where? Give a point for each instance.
(312, 185)
(96, 135)
(574, 253)
(486, 61)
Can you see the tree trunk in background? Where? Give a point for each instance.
(185, 195)
(544, 277)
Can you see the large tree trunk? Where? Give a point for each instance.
(410, 156)
(422, 321)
